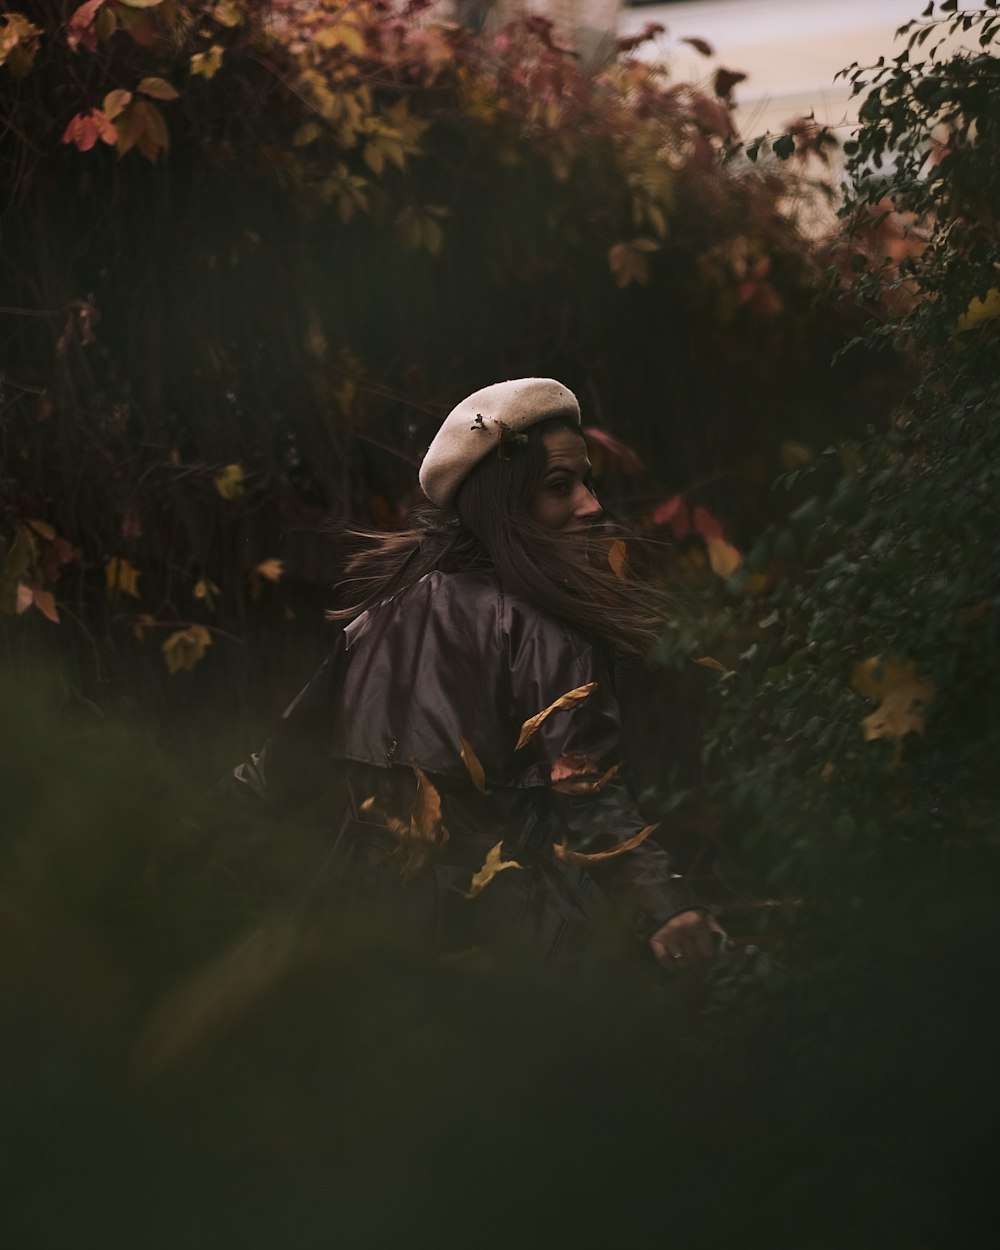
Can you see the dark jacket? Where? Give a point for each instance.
(451, 657)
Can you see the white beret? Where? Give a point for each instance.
(474, 427)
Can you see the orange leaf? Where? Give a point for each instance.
(582, 860)
(272, 569)
(532, 725)
(706, 661)
(472, 766)
(120, 576)
(185, 648)
(901, 692)
(618, 558)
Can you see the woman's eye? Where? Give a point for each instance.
(560, 487)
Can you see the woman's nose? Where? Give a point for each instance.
(588, 506)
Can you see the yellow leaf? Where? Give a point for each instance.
(472, 766)
(628, 264)
(532, 725)
(229, 482)
(618, 558)
(206, 64)
(489, 870)
(580, 859)
(121, 578)
(157, 89)
(424, 837)
(902, 694)
(186, 647)
(980, 310)
(228, 13)
(272, 569)
(115, 102)
(723, 557)
(341, 35)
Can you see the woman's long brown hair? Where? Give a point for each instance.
(491, 528)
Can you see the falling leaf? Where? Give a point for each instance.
(624, 456)
(675, 513)
(901, 692)
(706, 661)
(725, 80)
(489, 870)
(273, 570)
(229, 482)
(206, 64)
(121, 577)
(157, 89)
(573, 765)
(581, 859)
(186, 647)
(422, 839)
(700, 45)
(532, 725)
(585, 784)
(472, 765)
(618, 558)
(723, 557)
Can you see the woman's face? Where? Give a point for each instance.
(564, 499)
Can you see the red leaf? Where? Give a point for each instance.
(86, 128)
(675, 513)
(620, 453)
(706, 525)
(80, 28)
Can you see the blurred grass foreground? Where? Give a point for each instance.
(184, 1068)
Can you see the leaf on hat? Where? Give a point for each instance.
(580, 859)
(473, 766)
(494, 864)
(532, 725)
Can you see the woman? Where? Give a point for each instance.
(463, 816)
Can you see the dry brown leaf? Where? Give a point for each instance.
(421, 839)
(618, 558)
(706, 661)
(398, 828)
(532, 725)
(573, 765)
(473, 766)
(581, 859)
(489, 870)
(272, 569)
(186, 648)
(585, 785)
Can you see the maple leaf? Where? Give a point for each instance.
(121, 577)
(473, 766)
(580, 859)
(185, 648)
(532, 725)
(492, 865)
(901, 693)
(206, 64)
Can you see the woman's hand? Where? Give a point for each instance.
(686, 940)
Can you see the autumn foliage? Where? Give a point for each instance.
(254, 251)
